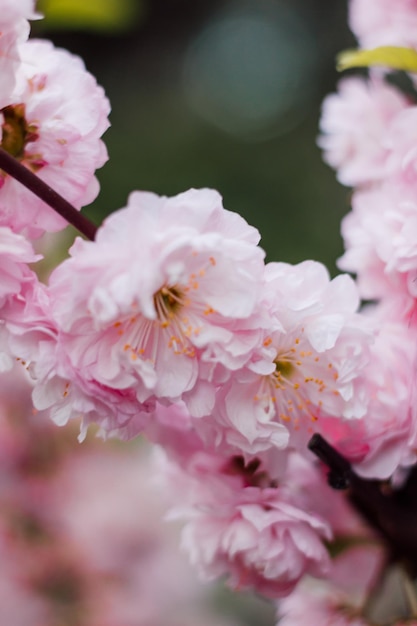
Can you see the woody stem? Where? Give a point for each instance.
(14, 168)
(391, 512)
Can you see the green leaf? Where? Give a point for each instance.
(387, 56)
(101, 15)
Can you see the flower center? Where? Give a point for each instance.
(283, 369)
(17, 133)
(15, 130)
(168, 301)
(292, 392)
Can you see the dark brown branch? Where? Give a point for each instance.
(392, 513)
(14, 168)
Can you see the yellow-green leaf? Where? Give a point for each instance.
(104, 15)
(388, 56)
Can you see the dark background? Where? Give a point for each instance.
(223, 94)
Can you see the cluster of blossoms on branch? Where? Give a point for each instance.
(170, 324)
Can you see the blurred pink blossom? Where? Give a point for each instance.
(380, 240)
(355, 126)
(14, 29)
(384, 22)
(385, 441)
(52, 124)
(341, 600)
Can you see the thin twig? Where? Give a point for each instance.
(14, 168)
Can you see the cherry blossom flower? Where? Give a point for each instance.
(380, 236)
(402, 159)
(14, 29)
(355, 126)
(309, 363)
(166, 293)
(385, 441)
(52, 124)
(383, 22)
(30, 336)
(241, 524)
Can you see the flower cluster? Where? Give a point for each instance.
(367, 135)
(170, 324)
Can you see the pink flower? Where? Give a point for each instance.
(15, 11)
(240, 524)
(384, 22)
(166, 293)
(389, 432)
(401, 140)
(355, 126)
(61, 389)
(309, 363)
(31, 336)
(52, 124)
(380, 238)
(383, 443)
(14, 29)
(171, 428)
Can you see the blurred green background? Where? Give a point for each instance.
(217, 93)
